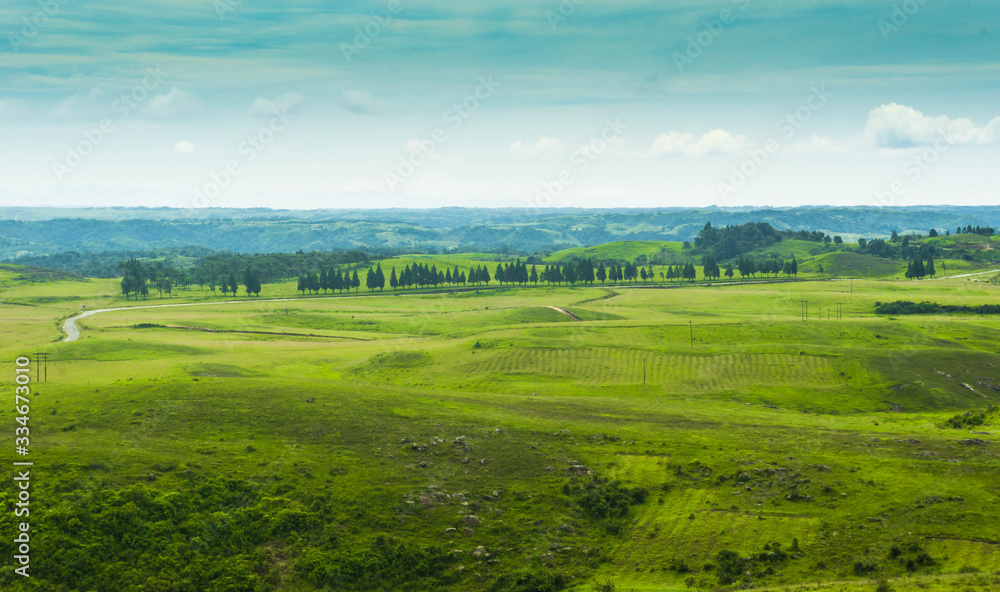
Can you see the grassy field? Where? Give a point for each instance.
(450, 441)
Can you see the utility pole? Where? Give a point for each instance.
(805, 310)
(41, 358)
(644, 371)
(692, 332)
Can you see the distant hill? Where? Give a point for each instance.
(45, 231)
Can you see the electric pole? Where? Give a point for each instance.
(41, 358)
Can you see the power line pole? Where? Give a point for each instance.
(41, 358)
(692, 332)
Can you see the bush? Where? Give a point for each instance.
(600, 498)
(530, 580)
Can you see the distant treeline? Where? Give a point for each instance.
(109, 264)
(905, 307)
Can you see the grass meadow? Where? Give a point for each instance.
(463, 427)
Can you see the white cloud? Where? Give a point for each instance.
(262, 107)
(82, 104)
(819, 145)
(185, 147)
(717, 141)
(895, 126)
(427, 147)
(360, 102)
(175, 103)
(544, 145)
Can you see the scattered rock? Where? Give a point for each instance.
(404, 441)
(479, 551)
(450, 530)
(471, 520)
(973, 442)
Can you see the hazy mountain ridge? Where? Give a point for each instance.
(41, 231)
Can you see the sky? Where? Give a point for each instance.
(537, 104)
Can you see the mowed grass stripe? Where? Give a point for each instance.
(609, 365)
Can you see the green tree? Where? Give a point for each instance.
(393, 282)
(355, 281)
(571, 273)
(533, 278)
(602, 273)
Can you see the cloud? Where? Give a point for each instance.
(544, 145)
(819, 145)
(175, 103)
(360, 102)
(82, 104)
(717, 141)
(427, 147)
(185, 147)
(262, 107)
(895, 127)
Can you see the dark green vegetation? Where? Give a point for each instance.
(514, 439)
(905, 307)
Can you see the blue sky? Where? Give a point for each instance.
(517, 103)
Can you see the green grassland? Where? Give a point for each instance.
(426, 441)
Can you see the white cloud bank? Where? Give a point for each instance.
(262, 107)
(185, 147)
(896, 127)
(717, 141)
(544, 145)
(176, 103)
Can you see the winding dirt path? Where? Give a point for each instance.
(563, 311)
(72, 331)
